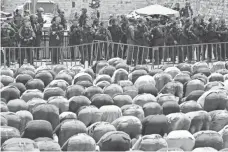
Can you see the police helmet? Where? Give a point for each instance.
(40, 9)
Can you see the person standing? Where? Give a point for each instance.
(18, 19)
(171, 39)
(88, 34)
(27, 36)
(158, 40)
(140, 36)
(197, 35)
(83, 19)
(123, 27)
(55, 40)
(103, 35)
(204, 36)
(75, 38)
(7, 35)
(116, 35)
(223, 37)
(37, 28)
(131, 41)
(212, 38)
(187, 11)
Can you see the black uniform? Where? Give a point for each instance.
(56, 40)
(37, 28)
(116, 34)
(75, 39)
(212, 37)
(7, 35)
(158, 39)
(87, 37)
(197, 36)
(223, 37)
(27, 36)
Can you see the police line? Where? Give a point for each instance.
(87, 54)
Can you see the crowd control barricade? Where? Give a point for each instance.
(87, 54)
(160, 55)
(67, 55)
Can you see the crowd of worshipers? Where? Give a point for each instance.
(157, 31)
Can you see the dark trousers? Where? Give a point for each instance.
(188, 52)
(102, 50)
(124, 41)
(37, 44)
(158, 50)
(5, 54)
(86, 53)
(216, 50)
(224, 51)
(55, 54)
(74, 47)
(26, 53)
(115, 50)
(55, 50)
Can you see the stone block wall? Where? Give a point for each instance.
(207, 7)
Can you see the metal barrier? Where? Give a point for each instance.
(158, 55)
(86, 54)
(68, 55)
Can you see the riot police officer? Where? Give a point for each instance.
(38, 31)
(223, 37)
(140, 36)
(7, 38)
(83, 17)
(18, 19)
(27, 36)
(56, 38)
(116, 34)
(103, 35)
(197, 34)
(88, 35)
(75, 37)
(158, 40)
(212, 37)
(130, 34)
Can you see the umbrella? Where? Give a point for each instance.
(157, 10)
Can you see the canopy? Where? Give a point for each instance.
(157, 10)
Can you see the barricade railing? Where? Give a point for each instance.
(68, 55)
(159, 55)
(86, 54)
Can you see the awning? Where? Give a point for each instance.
(157, 10)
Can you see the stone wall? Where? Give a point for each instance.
(207, 7)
